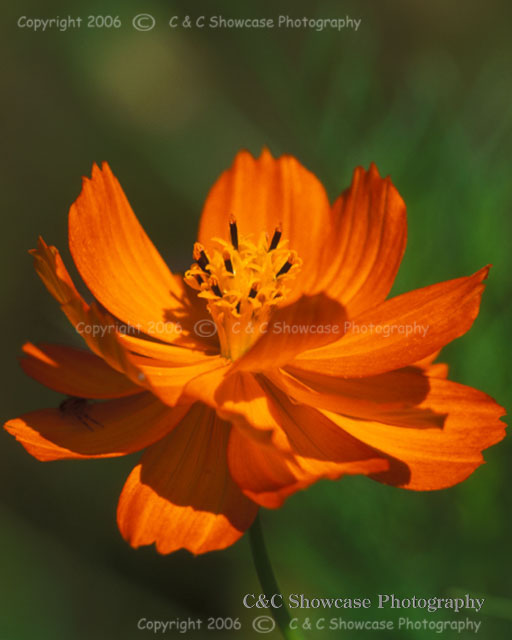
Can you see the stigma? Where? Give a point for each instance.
(243, 281)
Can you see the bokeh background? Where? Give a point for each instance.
(422, 89)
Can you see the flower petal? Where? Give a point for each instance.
(321, 450)
(311, 321)
(240, 399)
(181, 495)
(117, 260)
(169, 380)
(264, 192)
(172, 353)
(437, 369)
(97, 328)
(50, 268)
(393, 398)
(74, 372)
(366, 244)
(416, 324)
(435, 458)
(106, 429)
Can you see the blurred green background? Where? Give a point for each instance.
(421, 89)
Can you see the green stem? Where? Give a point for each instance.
(268, 581)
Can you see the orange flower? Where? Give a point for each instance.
(275, 361)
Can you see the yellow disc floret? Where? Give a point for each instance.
(243, 282)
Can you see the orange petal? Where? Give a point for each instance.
(436, 370)
(117, 260)
(106, 429)
(181, 495)
(95, 326)
(50, 268)
(394, 397)
(321, 450)
(169, 380)
(310, 322)
(183, 325)
(366, 244)
(172, 353)
(428, 459)
(432, 316)
(74, 372)
(264, 192)
(241, 399)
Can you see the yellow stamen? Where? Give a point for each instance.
(242, 282)
(233, 230)
(227, 261)
(276, 237)
(200, 256)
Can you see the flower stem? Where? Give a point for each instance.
(268, 581)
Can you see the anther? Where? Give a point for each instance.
(233, 230)
(254, 289)
(227, 262)
(199, 278)
(214, 284)
(200, 256)
(286, 266)
(276, 237)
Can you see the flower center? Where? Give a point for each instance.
(243, 282)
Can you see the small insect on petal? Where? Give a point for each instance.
(77, 408)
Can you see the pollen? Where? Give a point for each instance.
(243, 281)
